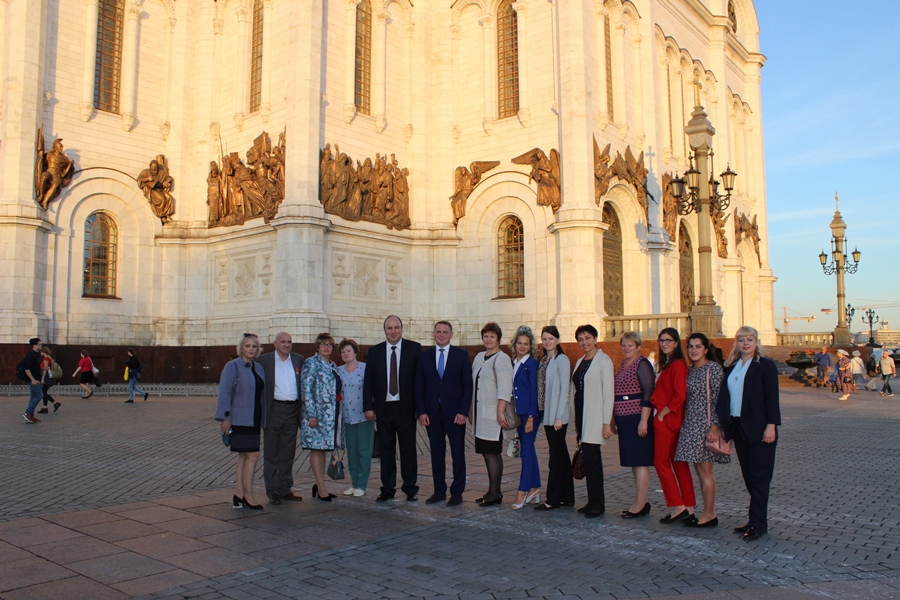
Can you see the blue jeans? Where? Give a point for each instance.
(886, 378)
(37, 394)
(132, 388)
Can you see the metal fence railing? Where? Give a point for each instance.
(121, 389)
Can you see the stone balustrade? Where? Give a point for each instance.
(648, 326)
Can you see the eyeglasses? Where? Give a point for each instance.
(666, 341)
(326, 345)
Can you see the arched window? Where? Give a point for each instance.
(607, 39)
(507, 60)
(363, 57)
(108, 71)
(510, 258)
(256, 56)
(100, 236)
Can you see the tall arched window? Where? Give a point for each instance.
(100, 237)
(607, 39)
(108, 71)
(510, 258)
(256, 56)
(363, 57)
(507, 60)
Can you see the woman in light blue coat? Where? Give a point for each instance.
(553, 400)
(320, 389)
(241, 411)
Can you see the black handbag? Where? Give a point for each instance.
(336, 467)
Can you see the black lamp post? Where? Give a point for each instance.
(871, 317)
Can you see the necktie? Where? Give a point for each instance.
(441, 364)
(393, 387)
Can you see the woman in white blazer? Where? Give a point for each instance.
(593, 393)
(553, 400)
(492, 390)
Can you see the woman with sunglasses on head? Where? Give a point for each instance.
(749, 411)
(320, 390)
(553, 401)
(701, 423)
(241, 411)
(668, 400)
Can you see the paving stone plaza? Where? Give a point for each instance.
(108, 500)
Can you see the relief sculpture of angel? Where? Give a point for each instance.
(546, 174)
(466, 180)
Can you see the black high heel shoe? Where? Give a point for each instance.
(315, 493)
(627, 514)
(253, 506)
(236, 502)
(491, 502)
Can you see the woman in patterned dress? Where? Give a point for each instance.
(631, 420)
(701, 424)
(358, 431)
(320, 387)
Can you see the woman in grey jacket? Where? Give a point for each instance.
(553, 400)
(241, 411)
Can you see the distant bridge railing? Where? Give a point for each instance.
(812, 339)
(648, 326)
(121, 389)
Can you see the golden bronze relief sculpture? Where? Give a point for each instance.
(745, 228)
(670, 206)
(628, 168)
(375, 191)
(466, 180)
(545, 173)
(238, 192)
(52, 171)
(156, 183)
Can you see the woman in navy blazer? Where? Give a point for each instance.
(525, 368)
(241, 410)
(749, 412)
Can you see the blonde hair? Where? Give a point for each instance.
(744, 331)
(632, 336)
(524, 330)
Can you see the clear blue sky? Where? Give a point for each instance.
(831, 123)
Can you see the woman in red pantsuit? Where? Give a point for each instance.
(668, 400)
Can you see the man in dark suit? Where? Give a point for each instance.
(388, 398)
(282, 369)
(443, 398)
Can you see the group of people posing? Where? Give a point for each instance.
(665, 416)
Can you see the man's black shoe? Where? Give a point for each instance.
(411, 497)
(436, 498)
(382, 497)
(274, 499)
(454, 501)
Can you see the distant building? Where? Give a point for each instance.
(888, 337)
(390, 109)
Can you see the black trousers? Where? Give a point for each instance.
(757, 460)
(395, 427)
(593, 476)
(280, 447)
(560, 485)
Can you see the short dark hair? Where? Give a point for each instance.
(34, 341)
(383, 325)
(84, 353)
(447, 323)
(348, 342)
(587, 328)
(491, 327)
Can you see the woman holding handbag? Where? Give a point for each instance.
(668, 400)
(553, 400)
(492, 390)
(320, 389)
(525, 398)
(86, 368)
(701, 425)
(750, 414)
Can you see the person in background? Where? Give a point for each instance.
(858, 369)
(525, 397)
(844, 373)
(823, 364)
(241, 412)
(135, 368)
(358, 431)
(888, 369)
(86, 368)
(32, 367)
(48, 380)
(749, 412)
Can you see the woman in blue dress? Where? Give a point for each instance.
(359, 432)
(320, 389)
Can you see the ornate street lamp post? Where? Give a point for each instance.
(699, 192)
(838, 267)
(850, 311)
(872, 318)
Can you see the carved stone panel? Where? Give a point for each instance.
(613, 280)
(365, 277)
(242, 278)
(685, 268)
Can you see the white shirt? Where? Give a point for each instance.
(736, 385)
(437, 355)
(518, 363)
(388, 346)
(285, 379)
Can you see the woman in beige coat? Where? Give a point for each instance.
(492, 377)
(593, 392)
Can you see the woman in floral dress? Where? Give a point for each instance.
(320, 387)
(701, 423)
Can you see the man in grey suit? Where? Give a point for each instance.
(282, 368)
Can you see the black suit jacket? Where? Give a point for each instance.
(375, 383)
(268, 364)
(759, 405)
(452, 394)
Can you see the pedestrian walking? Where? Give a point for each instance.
(823, 365)
(857, 369)
(888, 369)
(135, 368)
(51, 373)
(844, 375)
(88, 374)
(30, 370)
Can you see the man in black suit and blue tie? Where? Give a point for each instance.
(389, 397)
(443, 399)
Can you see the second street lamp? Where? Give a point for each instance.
(838, 267)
